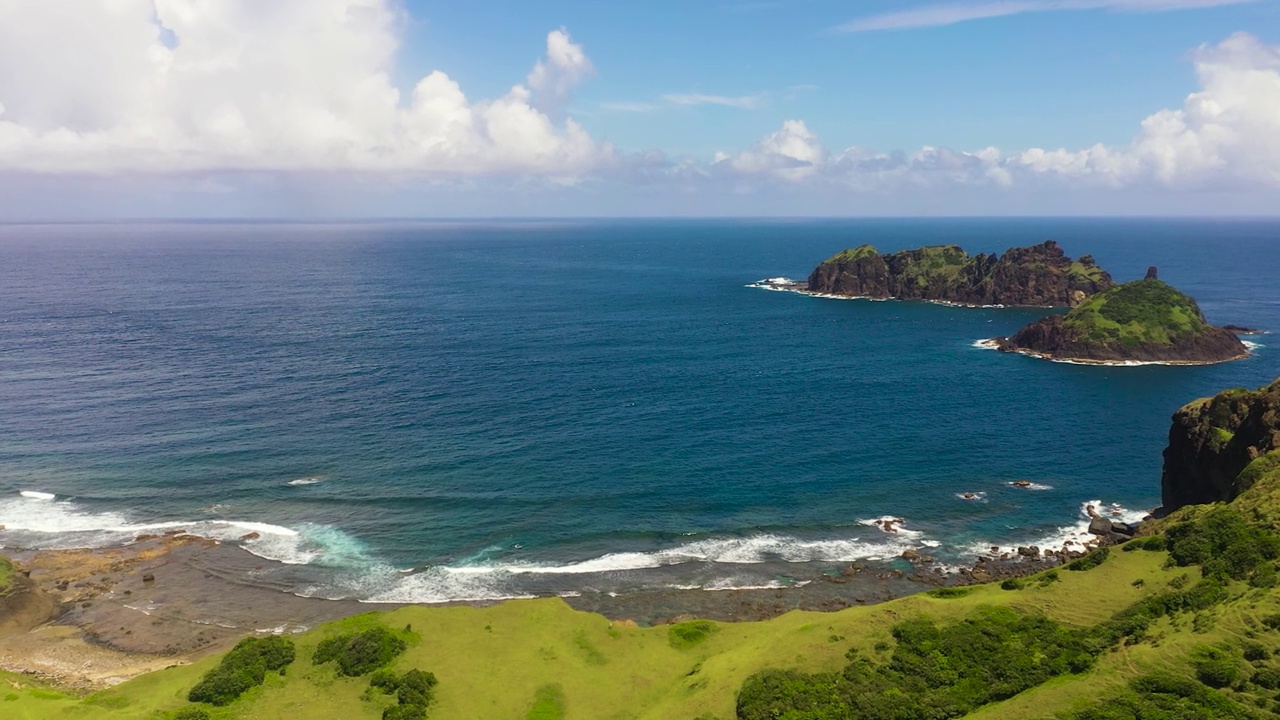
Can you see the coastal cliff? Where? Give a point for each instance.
(1141, 321)
(1039, 276)
(1221, 446)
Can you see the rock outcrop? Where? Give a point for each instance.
(1143, 321)
(1037, 276)
(1220, 446)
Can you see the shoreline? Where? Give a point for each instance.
(993, 344)
(97, 617)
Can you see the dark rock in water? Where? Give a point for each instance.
(1151, 273)
(1142, 321)
(1219, 446)
(1038, 276)
(1031, 551)
(1242, 330)
(1099, 526)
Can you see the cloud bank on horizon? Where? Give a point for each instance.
(190, 87)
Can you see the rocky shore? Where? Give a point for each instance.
(86, 619)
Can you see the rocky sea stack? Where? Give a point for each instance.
(1037, 276)
(1220, 446)
(1142, 321)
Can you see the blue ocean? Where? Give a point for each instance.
(436, 411)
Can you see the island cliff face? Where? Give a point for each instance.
(1220, 446)
(1142, 321)
(1038, 276)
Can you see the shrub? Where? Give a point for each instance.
(1255, 651)
(1012, 584)
(385, 680)
(416, 688)
(1215, 667)
(1272, 622)
(935, 671)
(685, 635)
(360, 653)
(1163, 696)
(1223, 543)
(1090, 561)
(405, 712)
(244, 667)
(1268, 678)
(1153, 543)
(948, 593)
(191, 713)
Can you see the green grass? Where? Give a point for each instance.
(7, 573)
(852, 254)
(1141, 312)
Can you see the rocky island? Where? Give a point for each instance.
(1036, 276)
(1145, 321)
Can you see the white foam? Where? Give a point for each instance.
(1041, 487)
(972, 496)
(1115, 363)
(37, 495)
(37, 521)
(305, 481)
(1250, 345)
(733, 584)
(1075, 537)
(436, 585)
(892, 526)
(986, 344)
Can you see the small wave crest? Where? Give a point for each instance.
(1028, 485)
(38, 521)
(300, 482)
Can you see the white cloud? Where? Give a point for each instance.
(198, 85)
(745, 102)
(958, 12)
(792, 153)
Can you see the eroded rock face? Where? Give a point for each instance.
(1219, 445)
(1039, 276)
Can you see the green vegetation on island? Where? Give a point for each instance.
(1144, 321)
(1039, 275)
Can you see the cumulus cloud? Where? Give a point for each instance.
(1227, 133)
(198, 85)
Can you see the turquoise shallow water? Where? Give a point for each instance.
(542, 407)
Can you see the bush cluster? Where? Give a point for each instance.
(360, 653)
(245, 667)
(687, 634)
(1165, 696)
(414, 691)
(1154, 543)
(934, 672)
(1090, 561)
(943, 672)
(1224, 544)
(191, 713)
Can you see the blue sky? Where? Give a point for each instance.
(802, 107)
(1067, 78)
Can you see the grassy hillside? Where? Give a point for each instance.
(1145, 311)
(508, 660)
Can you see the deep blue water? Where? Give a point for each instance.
(532, 407)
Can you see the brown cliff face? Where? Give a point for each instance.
(1039, 276)
(1214, 443)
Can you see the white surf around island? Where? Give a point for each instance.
(994, 344)
(786, 284)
